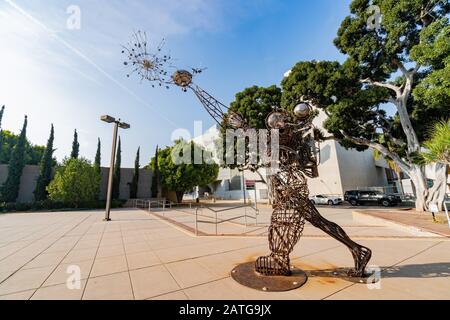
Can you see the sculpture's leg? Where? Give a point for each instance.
(361, 254)
(284, 233)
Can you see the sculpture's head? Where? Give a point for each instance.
(296, 133)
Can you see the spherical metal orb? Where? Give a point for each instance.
(302, 110)
(276, 120)
(235, 120)
(182, 78)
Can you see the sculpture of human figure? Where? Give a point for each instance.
(291, 204)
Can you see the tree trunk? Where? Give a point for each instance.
(418, 179)
(438, 191)
(179, 195)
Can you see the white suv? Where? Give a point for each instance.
(322, 199)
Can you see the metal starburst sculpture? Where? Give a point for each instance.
(148, 65)
(297, 162)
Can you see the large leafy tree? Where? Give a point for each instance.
(46, 169)
(10, 189)
(33, 153)
(135, 181)
(75, 183)
(406, 52)
(117, 169)
(75, 146)
(183, 177)
(255, 103)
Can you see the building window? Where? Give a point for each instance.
(235, 183)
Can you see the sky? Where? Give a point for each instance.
(56, 70)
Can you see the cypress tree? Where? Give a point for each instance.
(116, 179)
(98, 156)
(10, 189)
(75, 146)
(45, 176)
(1, 131)
(135, 182)
(156, 178)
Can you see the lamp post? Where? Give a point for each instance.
(117, 124)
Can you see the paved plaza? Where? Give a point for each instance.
(140, 255)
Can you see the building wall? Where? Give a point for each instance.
(31, 173)
(358, 169)
(329, 180)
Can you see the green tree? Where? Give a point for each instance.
(156, 176)
(438, 153)
(117, 169)
(135, 182)
(438, 146)
(75, 183)
(255, 103)
(75, 146)
(98, 157)
(46, 169)
(179, 173)
(33, 153)
(410, 43)
(1, 130)
(10, 189)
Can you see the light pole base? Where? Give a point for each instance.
(107, 219)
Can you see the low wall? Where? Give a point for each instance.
(31, 173)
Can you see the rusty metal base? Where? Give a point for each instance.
(246, 275)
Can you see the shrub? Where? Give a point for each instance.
(76, 182)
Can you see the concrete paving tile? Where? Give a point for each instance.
(80, 255)
(191, 273)
(24, 295)
(104, 266)
(151, 282)
(217, 290)
(178, 295)
(111, 287)
(142, 260)
(59, 292)
(110, 251)
(136, 247)
(44, 260)
(24, 280)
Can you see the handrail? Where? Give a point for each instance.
(217, 222)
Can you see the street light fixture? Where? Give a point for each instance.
(117, 124)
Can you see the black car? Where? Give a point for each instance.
(358, 197)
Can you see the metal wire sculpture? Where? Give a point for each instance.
(297, 161)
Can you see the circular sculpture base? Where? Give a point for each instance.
(246, 275)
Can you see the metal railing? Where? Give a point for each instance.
(149, 203)
(216, 221)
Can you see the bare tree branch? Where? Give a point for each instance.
(382, 149)
(390, 86)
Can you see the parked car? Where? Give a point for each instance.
(323, 199)
(360, 197)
